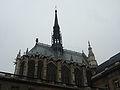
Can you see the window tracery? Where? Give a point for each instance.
(40, 69)
(22, 64)
(65, 74)
(51, 72)
(78, 77)
(31, 68)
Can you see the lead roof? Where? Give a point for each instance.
(46, 50)
(108, 63)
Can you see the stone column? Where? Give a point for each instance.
(84, 76)
(59, 71)
(36, 68)
(26, 66)
(72, 76)
(44, 69)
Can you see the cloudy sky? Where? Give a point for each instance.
(21, 21)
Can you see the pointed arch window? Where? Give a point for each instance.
(22, 64)
(31, 68)
(51, 72)
(65, 75)
(40, 69)
(78, 77)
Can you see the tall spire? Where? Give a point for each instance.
(91, 57)
(56, 37)
(90, 50)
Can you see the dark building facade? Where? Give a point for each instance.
(53, 64)
(51, 67)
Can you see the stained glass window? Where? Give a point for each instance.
(65, 74)
(51, 72)
(40, 68)
(31, 68)
(21, 68)
(78, 78)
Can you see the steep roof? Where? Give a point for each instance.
(46, 50)
(108, 63)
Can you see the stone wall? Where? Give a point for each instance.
(109, 78)
(71, 66)
(18, 85)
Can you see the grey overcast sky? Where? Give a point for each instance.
(21, 21)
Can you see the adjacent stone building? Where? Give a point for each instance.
(107, 74)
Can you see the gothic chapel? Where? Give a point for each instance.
(52, 64)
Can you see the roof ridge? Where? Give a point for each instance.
(115, 55)
(47, 45)
(44, 44)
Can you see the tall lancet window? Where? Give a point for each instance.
(40, 69)
(78, 77)
(65, 74)
(22, 64)
(31, 68)
(51, 72)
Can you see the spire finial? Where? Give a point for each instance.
(19, 54)
(90, 50)
(89, 44)
(27, 51)
(36, 41)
